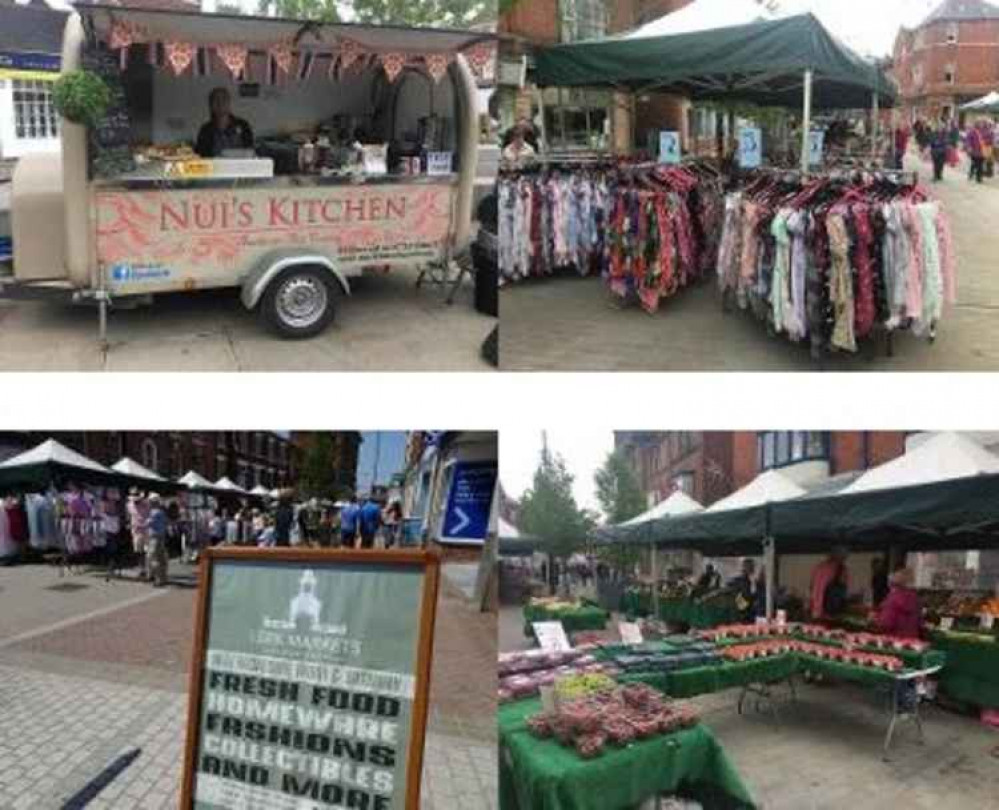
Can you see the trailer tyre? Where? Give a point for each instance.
(298, 303)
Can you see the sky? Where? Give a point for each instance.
(389, 452)
(584, 454)
(868, 26)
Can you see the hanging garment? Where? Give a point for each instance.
(841, 285)
(8, 548)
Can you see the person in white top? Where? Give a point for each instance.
(519, 150)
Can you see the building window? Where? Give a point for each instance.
(684, 482)
(150, 456)
(583, 19)
(949, 75)
(577, 117)
(258, 445)
(244, 475)
(777, 449)
(221, 464)
(35, 117)
(177, 459)
(953, 32)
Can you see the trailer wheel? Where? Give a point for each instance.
(299, 302)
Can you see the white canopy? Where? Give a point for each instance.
(941, 458)
(768, 487)
(989, 103)
(227, 484)
(127, 466)
(195, 481)
(703, 15)
(507, 530)
(679, 503)
(51, 452)
(261, 490)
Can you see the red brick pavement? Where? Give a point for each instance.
(157, 635)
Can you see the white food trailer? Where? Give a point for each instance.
(364, 157)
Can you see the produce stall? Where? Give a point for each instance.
(972, 672)
(542, 774)
(574, 615)
(715, 609)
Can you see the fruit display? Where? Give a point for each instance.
(663, 656)
(762, 630)
(879, 642)
(515, 663)
(572, 687)
(587, 638)
(554, 604)
(526, 685)
(615, 717)
(822, 652)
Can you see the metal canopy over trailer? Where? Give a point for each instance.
(290, 238)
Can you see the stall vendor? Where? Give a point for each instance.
(901, 614)
(224, 131)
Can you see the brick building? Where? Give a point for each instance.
(571, 114)
(711, 466)
(949, 59)
(249, 458)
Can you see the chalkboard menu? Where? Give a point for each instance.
(109, 150)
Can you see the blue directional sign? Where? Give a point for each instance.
(469, 502)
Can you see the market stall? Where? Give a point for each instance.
(284, 157)
(541, 774)
(575, 615)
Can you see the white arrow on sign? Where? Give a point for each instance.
(463, 520)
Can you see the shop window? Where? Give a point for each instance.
(777, 449)
(35, 117)
(684, 482)
(583, 19)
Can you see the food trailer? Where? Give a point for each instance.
(362, 157)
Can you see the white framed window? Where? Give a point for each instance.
(950, 74)
(35, 117)
(583, 19)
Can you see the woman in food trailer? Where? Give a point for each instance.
(361, 156)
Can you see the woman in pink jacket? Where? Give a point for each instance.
(901, 614)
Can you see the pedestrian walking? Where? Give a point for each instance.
(157, 559)
(371, 521)
(138, 521)
(284, 517)
(939, 145)
(974, 145)
(349, 518)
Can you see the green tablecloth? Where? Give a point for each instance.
(587, 617)
(680, 611)
(971, 674)
(543, 775)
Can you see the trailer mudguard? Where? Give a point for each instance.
(270, 265)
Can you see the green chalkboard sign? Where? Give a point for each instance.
(310, 679)
(110, 143)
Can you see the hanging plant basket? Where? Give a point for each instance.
(82, 97)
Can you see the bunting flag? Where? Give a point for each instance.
(234, 58)
(306, 60)
(393, 64)
(480, 57)
(350, 52)
(179, 55)
(437, 64)
(122, 36)
(282, 55)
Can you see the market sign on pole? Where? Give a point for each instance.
(669, 147)
(750, 147)
(466, 518)
(310, 679)
(816, 147)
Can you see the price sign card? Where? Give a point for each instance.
(551, 636)
(630, 632)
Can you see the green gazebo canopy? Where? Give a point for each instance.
(762, 63)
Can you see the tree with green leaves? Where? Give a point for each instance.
(318, 478)
(621, 498)
(548, 511)
(442, 13)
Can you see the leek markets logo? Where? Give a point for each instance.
(305, 612)
(127, 273)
